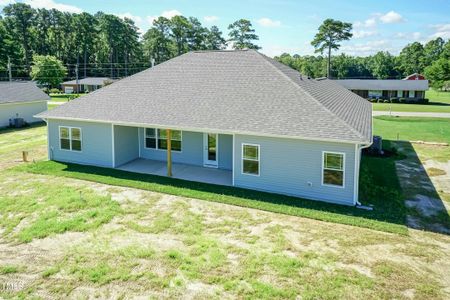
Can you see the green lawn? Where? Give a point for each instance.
(388, 215)
(412, 128)
(439, 102)
(62, 97)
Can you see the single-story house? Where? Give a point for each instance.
(234, 118)
(387, 88)
(21, 100)
(88, 84)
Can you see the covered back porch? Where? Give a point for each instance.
(188, 155)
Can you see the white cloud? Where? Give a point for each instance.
(369, 23)
(130, 16)
(210, 19)
(368, 48)
(266, 22)
(441, 30)
(49, 4)
(169, 14)
(391, 17)
(360, 34)
(6, 2)
(275, 50)
(408, 36)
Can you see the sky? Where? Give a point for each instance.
(289, 25)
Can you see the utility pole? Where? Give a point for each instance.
(76, 76)
(9, 69)
(125, 56)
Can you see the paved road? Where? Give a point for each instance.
(412, 114)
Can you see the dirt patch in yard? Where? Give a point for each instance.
(424, 184)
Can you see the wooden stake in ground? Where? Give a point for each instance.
(169, 153)
(25, 156)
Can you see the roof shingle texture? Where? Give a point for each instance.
(228, 91)
(11, 92)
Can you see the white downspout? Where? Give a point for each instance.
(358, 149)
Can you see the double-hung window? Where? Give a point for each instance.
(70, 138)
(250, 159)
(333, 169)
(150, 138)
(157, 139)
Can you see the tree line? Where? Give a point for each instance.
(104, 44)
(431, 59)
(107, 45)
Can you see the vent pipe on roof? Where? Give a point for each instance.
(153, 62)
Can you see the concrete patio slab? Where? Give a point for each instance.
(180, 171)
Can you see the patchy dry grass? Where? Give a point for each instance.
(435, 172)
(164, 246)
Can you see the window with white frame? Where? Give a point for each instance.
(157, 139)
(150, 138)
(70, 138)
(250, 159)
(333, 168)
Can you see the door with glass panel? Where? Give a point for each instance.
(210, 150)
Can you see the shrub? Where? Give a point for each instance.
(386, 101)
(73, 96)
(394, 100)
(424, 101)
(55, 91)
(402, 100)
(46, 90)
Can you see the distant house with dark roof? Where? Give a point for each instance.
(412, 88)
(233, 118)
(21, 100)
(88, 84)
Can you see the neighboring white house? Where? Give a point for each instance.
(88, 84)
(21, 100)
(387, 88)
(234, 118)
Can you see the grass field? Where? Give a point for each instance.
(412, 128)
(439, 102)
(57, 99)
(68, 231)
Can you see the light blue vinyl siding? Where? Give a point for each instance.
(287, 166)
(96, 144)
(126, 146)
(21, 110)
(191, 149)
(225, 151)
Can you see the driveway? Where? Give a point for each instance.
(411, 114)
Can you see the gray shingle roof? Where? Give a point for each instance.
(228, 91)
(89, 81)
(11, 92)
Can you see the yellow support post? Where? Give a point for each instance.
(169, 153)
